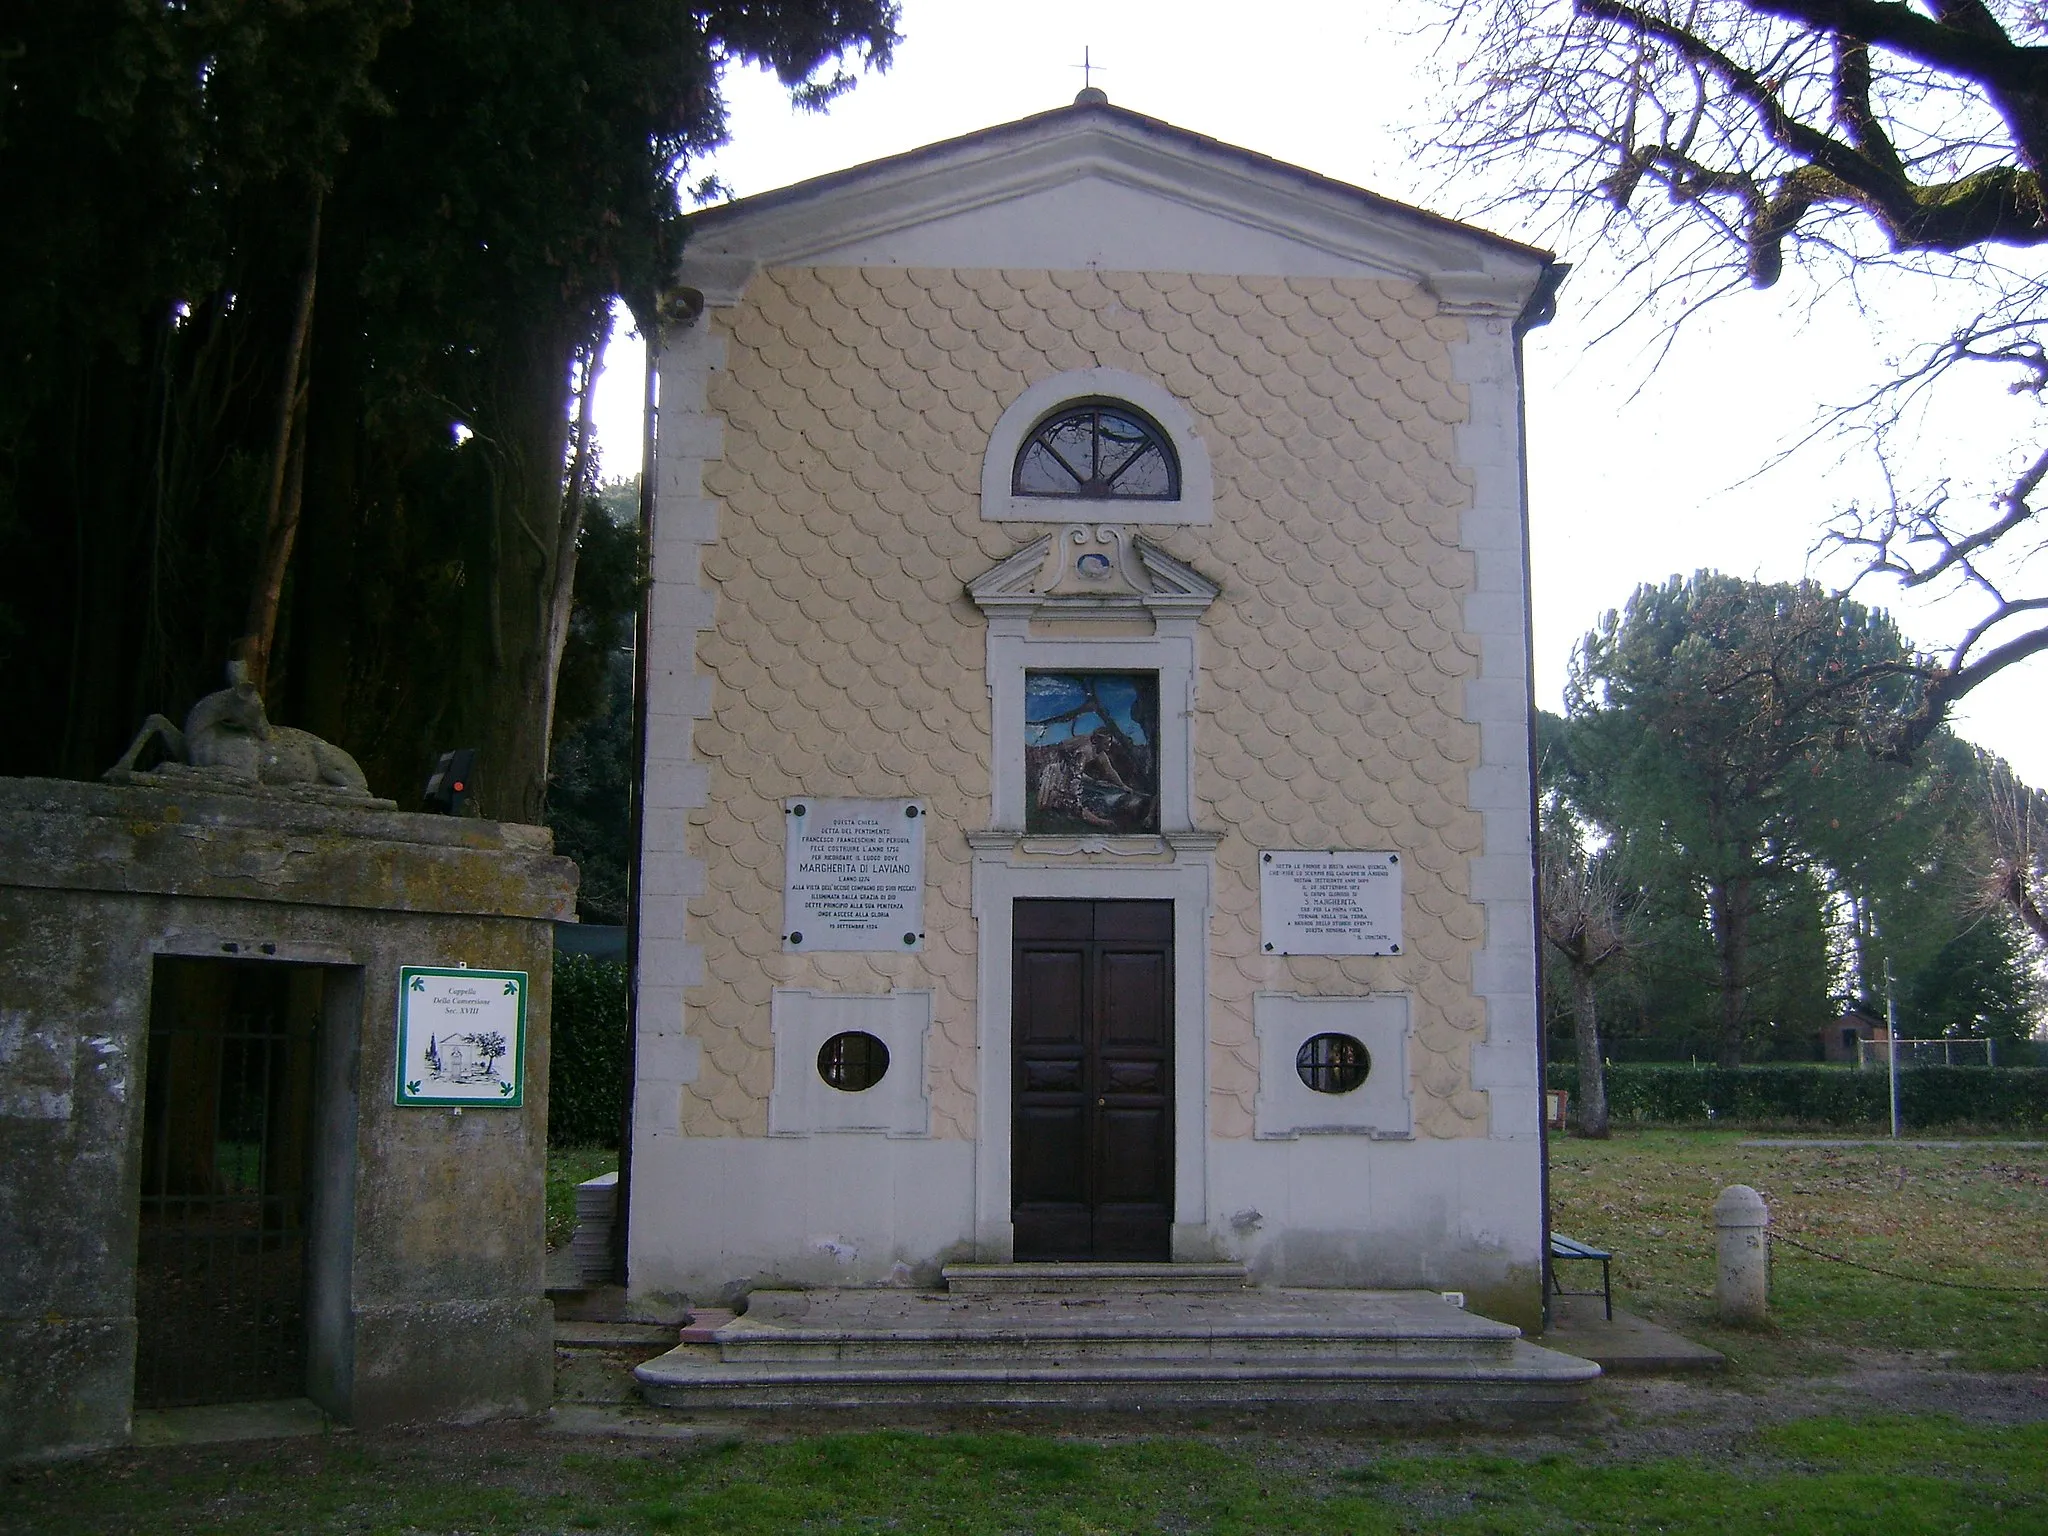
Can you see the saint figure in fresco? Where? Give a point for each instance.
(1079, 778)
(1089, 757)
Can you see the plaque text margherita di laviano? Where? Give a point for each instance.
(853, 875)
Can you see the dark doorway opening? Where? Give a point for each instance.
(1091, 1034)
(221, 1272)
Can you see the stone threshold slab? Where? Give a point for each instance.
(1628, 1344)
(1526, 1362)
(1265, 1313)
(1220, 1349)
(1094, 1279)
(222, 1423)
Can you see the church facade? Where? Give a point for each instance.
(1087, 802)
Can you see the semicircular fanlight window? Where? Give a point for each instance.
(1099, 450)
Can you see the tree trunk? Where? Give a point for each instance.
(330, 640)
(2019, 895)
(281, 514)
(106, 504)
(1728, 905)
(504, 715)
(561, 596)
(1592, 1070)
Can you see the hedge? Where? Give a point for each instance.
(2006, 1098)
(587, 1071)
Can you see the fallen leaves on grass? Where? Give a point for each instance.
(1975, 1214)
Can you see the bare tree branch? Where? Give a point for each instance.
(1593, 924)
(2016, 818)
(1714, 141)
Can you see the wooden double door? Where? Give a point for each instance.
(1091, 1033)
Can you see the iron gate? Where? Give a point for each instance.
(220, 1282)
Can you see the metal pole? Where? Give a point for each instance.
(1891, 1026)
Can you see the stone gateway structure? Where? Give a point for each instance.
(209, 1190)
(1142, 520)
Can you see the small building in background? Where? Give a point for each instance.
(1841, 1042)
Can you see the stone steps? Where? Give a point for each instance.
(594, 1362)
(1142, 1347)
(1091, 1279)
(703, 1325)
(1528, 1380)
(597, 1343)
(1244, 1327)
(573, 1334)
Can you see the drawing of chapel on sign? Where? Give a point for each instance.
(1138, 522)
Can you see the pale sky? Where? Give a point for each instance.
(1642, 463)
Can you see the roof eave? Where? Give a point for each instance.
(1486, 271)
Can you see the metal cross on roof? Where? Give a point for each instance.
(1088, 66)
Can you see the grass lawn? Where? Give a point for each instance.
(1776, 1445)
(1976, 1214)
(1899, 1475)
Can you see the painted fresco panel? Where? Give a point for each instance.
(1091, 752)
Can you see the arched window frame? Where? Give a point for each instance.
(1154, 435)
(1090, 386)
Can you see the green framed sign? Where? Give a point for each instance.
(461, 1038)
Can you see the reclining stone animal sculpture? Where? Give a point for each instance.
(228, 736)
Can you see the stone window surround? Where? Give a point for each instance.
(802, 1103)
(1381, 1107)
(1013, 651)
(999, 503)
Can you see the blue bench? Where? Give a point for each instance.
(1562, 1247)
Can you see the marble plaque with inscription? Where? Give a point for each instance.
(853, 875)
(1335, 903)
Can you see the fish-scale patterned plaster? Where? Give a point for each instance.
(847, 659)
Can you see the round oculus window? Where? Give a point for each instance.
(853, 1062)
(1332, 1063)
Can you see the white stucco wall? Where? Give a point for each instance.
(1362, 682)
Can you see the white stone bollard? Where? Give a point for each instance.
(1742, 1278)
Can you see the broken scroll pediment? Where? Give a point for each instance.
(1100, 569)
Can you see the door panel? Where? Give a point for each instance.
(1092, 1042)
(1049, 1166)
(1053, 1076)
(1148, 922)
(1123, 1077)
(1054, 997)
(1130, 1167)
(1134, 999)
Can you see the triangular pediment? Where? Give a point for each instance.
(1094, 186)
(1101, 570)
